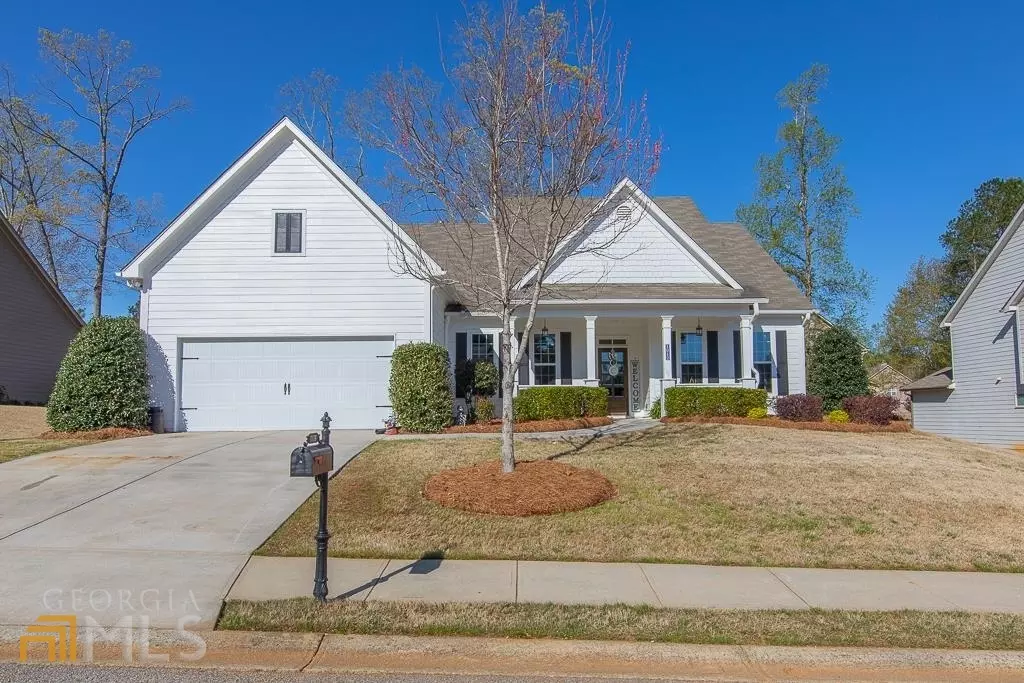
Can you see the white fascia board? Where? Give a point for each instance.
(285, 125)
(1001, 243)
(652, 302)
(1013, 303)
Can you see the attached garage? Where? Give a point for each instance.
(285, 383)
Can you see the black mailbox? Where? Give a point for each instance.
(312, 458)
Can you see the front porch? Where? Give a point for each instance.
(636, 355)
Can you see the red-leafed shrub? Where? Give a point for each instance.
(799, 408)
(875, 410)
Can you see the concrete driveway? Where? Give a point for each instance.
(155, 527)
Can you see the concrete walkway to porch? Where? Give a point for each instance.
(623, 425)
(658, 585)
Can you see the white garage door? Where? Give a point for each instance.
(285, 383)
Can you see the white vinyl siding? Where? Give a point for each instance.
(643, 253)
(225, 280)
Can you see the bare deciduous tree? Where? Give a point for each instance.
(109, 103)
(324, 112)
(531, 128)
(37, 192)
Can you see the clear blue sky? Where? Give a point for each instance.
(926, 96)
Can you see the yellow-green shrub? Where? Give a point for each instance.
(757, 413)
(838, 416)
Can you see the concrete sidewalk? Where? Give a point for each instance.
(659, 585)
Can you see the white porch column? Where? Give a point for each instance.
(747, 350)
(591, 350)
(666, 347)
(514, 344)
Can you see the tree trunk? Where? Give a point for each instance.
(508, 384)
(97, 283)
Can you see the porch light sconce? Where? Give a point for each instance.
(544, 330)
(700, 330)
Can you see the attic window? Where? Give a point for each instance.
(623, 212)
(288, 232)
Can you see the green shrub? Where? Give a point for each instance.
(655, 411)
(713, 401)
(102, 381)
(485, 379)
(835, 368)
(560, 403)
(483, 409)
(757, 413)
(838, 416)
(465, 372)
(420, 393)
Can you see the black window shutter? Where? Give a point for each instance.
(782, 361)
(460, 347)
(281, 232)
(712, 356)
(737, 356)
(295, 233)
(524, 367)
(565, 341)
(675, 357)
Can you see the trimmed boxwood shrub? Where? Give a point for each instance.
(485, 378)
(799, 408)
(102, 381)
(712, 401)
(875, 410)
(421, 395)
(560, 403)
(835, 367)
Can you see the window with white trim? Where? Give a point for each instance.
(763, 359)
(481, 347)
(544, 358)
(288, 232)
(691, 358)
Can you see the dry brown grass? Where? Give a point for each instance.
(623, 622)
(709, 494)
(20, 422)
(106, 434)
(536, 487)
(532, 426)
(849, 427)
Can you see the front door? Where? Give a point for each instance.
(612, 371)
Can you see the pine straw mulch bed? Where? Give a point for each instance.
(854, 427)
(536, 487)
(494, 426)
(107, 434)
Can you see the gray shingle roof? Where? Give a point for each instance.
(940, 379)
(469, 249)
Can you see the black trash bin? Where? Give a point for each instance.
(156, 419)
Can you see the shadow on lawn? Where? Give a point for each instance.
(429, 561)
(688, 434)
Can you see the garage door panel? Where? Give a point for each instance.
(240, 384)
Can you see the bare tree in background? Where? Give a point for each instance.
(109, 103)
(318, 105)
(37, 190)
(531, 125)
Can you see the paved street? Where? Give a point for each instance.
(660, 585)
(157, 526)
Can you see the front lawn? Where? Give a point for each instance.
(12, 449)
(700, 493)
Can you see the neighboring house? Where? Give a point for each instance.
(981, 398)
(885, 380)
(273, 297)
(36, 322)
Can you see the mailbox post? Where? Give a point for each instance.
(315, 458)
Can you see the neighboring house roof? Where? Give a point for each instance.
(241, 170)
(7, 230)
(465, 249)
(940, 379)
(893, 374)
(1001, 243)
